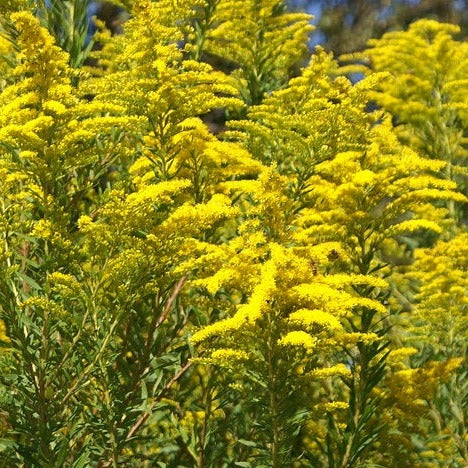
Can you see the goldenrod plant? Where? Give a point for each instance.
(174, 297)
(438, 339)
(426, 94)
(425, 90)
(260, 40)
(66, 20)
(353, 187)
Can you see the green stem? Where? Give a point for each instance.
(273, 403)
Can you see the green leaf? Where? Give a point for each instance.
(28, 280)
(82, 461)
(248, 443)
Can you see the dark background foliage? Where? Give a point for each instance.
(345, 25)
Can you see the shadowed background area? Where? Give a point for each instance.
(345, 25)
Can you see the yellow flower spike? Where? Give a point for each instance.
(310, 318)
(3, 332)
(228, 357)
(278, 42)
(425, 89)
(190, 219)
(300, 339)
(338, 370)
(440, 312)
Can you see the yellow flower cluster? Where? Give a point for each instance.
(441, 309)
(270, 247)
(299, 338)
(425, 89)
(257, 37)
